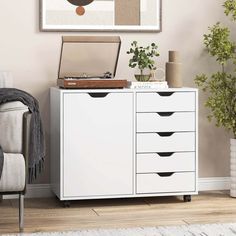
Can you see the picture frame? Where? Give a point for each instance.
(100, 15)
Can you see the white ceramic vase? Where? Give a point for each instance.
(233, 167)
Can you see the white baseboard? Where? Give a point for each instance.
(39, 191)
(34, 191)
(204, 184)
(211, 184)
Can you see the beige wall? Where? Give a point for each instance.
(33, 57)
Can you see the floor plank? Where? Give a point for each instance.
(47, 215)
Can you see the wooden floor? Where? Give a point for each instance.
(49, 215)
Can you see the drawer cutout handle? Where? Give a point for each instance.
(165, 94)
(165, 154)
(166, 174)
(98, 95)
(165, 134)
(165, 113)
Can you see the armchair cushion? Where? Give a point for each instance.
(11, 126)
(12, 106)
(13, 173)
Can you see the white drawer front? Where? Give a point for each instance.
(177, 182)
(165, 121)
(177, 142)
(158, 102)
(165, 162)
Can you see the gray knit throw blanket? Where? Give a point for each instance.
(36, 145)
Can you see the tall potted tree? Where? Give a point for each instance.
(221, 85)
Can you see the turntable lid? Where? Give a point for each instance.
(91, 56)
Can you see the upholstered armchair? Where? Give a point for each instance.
(14, 139)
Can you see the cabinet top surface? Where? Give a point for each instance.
(125, 90)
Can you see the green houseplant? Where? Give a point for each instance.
(143, 58)
(221, 85)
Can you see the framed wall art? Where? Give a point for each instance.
(100, 15)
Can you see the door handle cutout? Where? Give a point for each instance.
(165, 94)
(165, 113)
(165, 134)
(166, 174)
(98, 95)
(165, 154)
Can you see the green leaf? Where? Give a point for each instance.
(220, 87)
(230, 8)
(219, 45)
(142, 56)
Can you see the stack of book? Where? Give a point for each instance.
(149, 85)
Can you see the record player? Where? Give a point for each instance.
(89, 62)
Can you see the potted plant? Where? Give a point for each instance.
(143, 58)
(221, 85)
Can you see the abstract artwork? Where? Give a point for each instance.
(80, 3)
(100, 15)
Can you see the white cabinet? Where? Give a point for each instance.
(123, 143)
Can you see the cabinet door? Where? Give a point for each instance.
(98, 144)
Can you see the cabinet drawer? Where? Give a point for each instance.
(175, 182)
(159, 142)
(165, 162)
(166, 101)
(165, 121)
